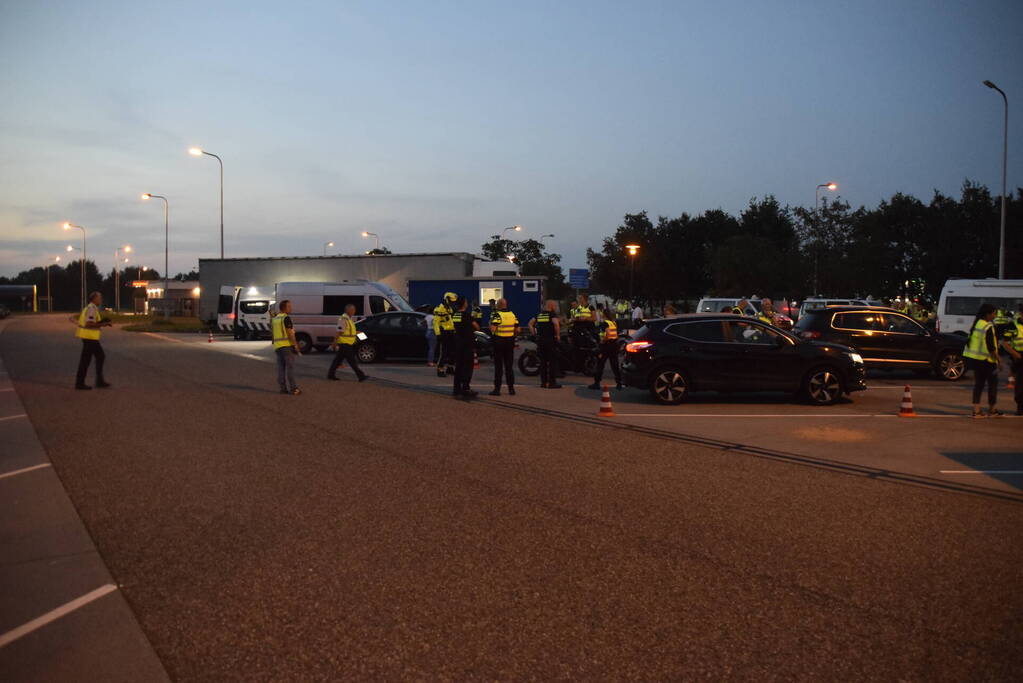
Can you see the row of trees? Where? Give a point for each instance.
(775, 250)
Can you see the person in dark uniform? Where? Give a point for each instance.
(583, 328)
(608, 331)
(465, 344)
(504, 328)
(88, 324)
(547, 328)
(445, 334)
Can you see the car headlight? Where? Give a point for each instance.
(856, 358)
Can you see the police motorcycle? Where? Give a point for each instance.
(582, 360)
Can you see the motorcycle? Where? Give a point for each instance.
(583, 360)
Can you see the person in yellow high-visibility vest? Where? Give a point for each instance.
(1012, 342)
(344, 345)
(88, 324)
(444, 327)
(504, 327)
(608, 331)
(981, 353)
(285, 347)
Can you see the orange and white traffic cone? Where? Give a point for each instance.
(1012, 380)
(210, 340)
(606, 409)
(475, 361)
(906, 409)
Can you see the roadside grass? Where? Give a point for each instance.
(151, 324)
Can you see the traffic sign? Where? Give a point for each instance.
(579, 278)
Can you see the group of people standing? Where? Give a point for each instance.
(991, 332)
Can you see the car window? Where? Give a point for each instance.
(413, 322)
(378, 304)
(745, 332)
(706, 331)
(389, 323)
(335, 304)
(715, 305)
(900, 324)
(857, 321)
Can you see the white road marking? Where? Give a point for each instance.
(8, 389)
(982, 471)
(745, 415)
(12, 417)
(22, 471)
(53, 615)
(165, 337)
(255, 357)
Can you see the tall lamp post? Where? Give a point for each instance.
(541, 238)
(1005, 159)
(117, 274)
(166, 239)
(514, 228)
(69, 226)
(325, 245)
(816, 228)
(366, 233)
(49, 296)
(198, 152)
(633, 249)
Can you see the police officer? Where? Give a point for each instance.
(504, 327)
(546, 326)
(583, 326)
(344, 345)
(465, 344)
(88, 324)
(608, 352)
(767, 312)
(622, 311)
(1012, 342)
(740, 308)
(445, 329)
(981, 353)
(285, 348)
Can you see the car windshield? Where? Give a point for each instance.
(254, 307)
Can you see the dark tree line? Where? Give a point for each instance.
(65, 283)
(532, 258)
(781, 251)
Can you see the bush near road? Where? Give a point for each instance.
(158, 324)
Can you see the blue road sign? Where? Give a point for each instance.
(579, 278)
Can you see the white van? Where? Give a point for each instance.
(960, 299)
(718, 304)
(253, 312)
(814, 304)
(227, 309)
(316, 306)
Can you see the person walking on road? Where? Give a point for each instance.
(285, 347)
(547, 328)
(608, 331)
(465, 344)
(1012, 342)
(504, 328)
(981, 354)
(88, 324)
(344, 345)
(431, 341)
(445, 328)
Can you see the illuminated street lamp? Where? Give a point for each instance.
(816, 227)
(366, 233)
(515, 228)
(166, 238)
(49, 297)
(198, 152)
(1005, 159)
(633, 249)
(117, 274)
(69, 226)
(328, 244)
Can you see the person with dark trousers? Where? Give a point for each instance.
(546, 327)
(88, 324)
(445, 334)
(608, 331)
(1012, 342)
(285, 346)
(344, 345)
(504, 328)
(981, 353)
(465, 345)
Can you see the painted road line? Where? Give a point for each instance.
(8, 389)
(22, 471)
(164, 337)
(255, 357)
(776, 416)
(53, 615)
(12, 417)
(981, 471)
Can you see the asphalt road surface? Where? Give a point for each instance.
(369, 531)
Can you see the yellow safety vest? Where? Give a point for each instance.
(1015, 335)
(280, 335)
(583, 312)
(976, 347)
(506, 323)
(764, 318)
(609, 333)
(442, 318)
(622, 308)
(346, 332)
(83, 332)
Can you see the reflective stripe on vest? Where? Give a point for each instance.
(1015, 335)
(346, 331)
(976, 347)
(506, 323)
(582, 311)
(84, 332)
(610, 333)
(280, 334)
(765, 318)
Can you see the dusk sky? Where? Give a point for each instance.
(436, 124)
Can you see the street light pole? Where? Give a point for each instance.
(117, 275)
(69, 226)
(366, 233)
(633, 249)
(327, 244)
(1005, 160)
(166, 240)
(49, 296)
(196, 152)
(816, 229)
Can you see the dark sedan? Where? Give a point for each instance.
(672, 357)
(400, 334)
(886, 338)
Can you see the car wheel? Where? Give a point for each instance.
(367, 352)
(305, 343)
(529, 363)
(822, 386)
(950, 366)
(669, 386)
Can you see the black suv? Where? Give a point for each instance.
(886, 339)
(674, 356)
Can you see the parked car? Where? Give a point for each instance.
(886, 338)
(672, 357)
(816, 304)
(400, 334)
(4, 311)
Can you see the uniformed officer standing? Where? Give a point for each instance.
(1012, 342)
(88, 323)
(285, 347)
(767, 313)
(344, 345)
(740, 307)
(465, 345)
(504, 327)
(445, 329)
(608, 352)
(547, 328)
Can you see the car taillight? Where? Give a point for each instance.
(231, 317)
(810, 334)
(633, 347)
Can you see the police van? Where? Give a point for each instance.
(316, 306)
(253, 312)
(960, 299)
(227, 309)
